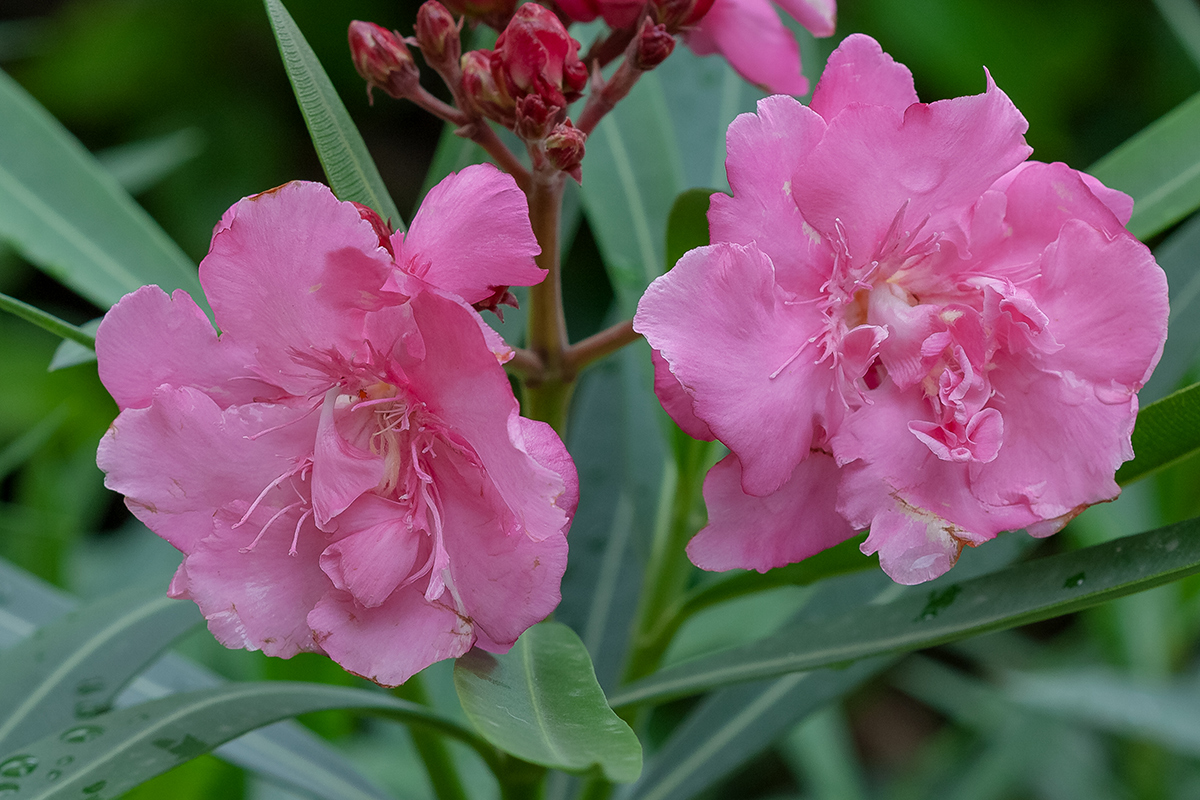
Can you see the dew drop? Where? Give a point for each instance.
(81, 734)
(18, 766)
(90, 686)
(1075, 581)
(9, 789)
(95, 787)
(53, 775)
(62, 762)
(85, 709)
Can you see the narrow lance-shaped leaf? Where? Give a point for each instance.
(116, 751)
(1028, 592)
(1160, 168)
(73, 668)
(687, 224)
(348, 166)
(70, 217)
(1165, 432)
(541, 702)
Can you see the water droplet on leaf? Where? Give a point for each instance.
(81, 734)
(53, 774)
(1074, 581)
(9, 789)
(90, 686)
(18, 766)
(95, 787)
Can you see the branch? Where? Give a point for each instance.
(597, 346)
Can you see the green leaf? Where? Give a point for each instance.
(351, 172)
(1165, 432)
(540, 702)
(733, 725)
(47, 321)
(73, 668)
(70, 217)
(1179, 257)
(1184, 18)
(1035, 590)
(70, 352)
(631, 175)
(140, 165)
(116, 751)
(1160, 168)
(687, 224)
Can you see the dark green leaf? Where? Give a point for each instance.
(47, 321)
(116, 751)
(1028, 592)
(1160, 168)
(1179, 257)
(348, 166)
(735, 724)
(73, 668)
(687, 225)
(541, 702)
(68, 216)
(1165, 432)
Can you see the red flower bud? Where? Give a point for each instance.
(479, 84)
(679, 14)
(564, 149)
(535, 118)
(437, 36)
(538, 56)
(654, 44)
(382, 59)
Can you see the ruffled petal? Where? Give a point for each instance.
(761, 533)
(341, 472)
(743, 352)
(376, 550)
(818, 16)
(766, 151)
(471, 235)
(292, 276)
(149, 339)
(676, 401)
(860, 73)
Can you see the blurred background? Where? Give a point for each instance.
(188, 104)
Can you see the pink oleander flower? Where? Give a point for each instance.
(344, 467)
(903, 325)
(748, 33)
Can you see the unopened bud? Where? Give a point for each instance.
(500, 296)
(481, 88)
(437, 36)
(538, 56)
(653, 44)
(564, 149)
(535, 118)
(382, 59)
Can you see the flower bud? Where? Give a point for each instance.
(437, 36)
(481, 88)
(654, 44)
(382, 229)
(535, 118)
(382, 59)
(538, 56)
(564, 149)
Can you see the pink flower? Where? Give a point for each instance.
(748, 33)
(904, 325)
(344, 467)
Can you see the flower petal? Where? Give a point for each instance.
(860, 73)
(761, 533)
(375, 550)
(755, 43)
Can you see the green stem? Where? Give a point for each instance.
(548, 394)
(47, 321)
(431, 747)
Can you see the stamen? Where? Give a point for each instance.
(263, 494)
(791, 358)
(296, 534)
(254, 437)
(263, 530)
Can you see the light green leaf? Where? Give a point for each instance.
(1160, 168)
(70, 217)
(1036, 590)
(116, 751)
(70, 352)
(1165, 432)
(631, 175)
(348, 166)
(541, 702)
(73, 668)
(286, 753)
(139, 165)
(47, 321)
